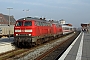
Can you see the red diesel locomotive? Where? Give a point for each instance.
(33, 31)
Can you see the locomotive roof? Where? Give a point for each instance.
(32, 18)
(37, 19)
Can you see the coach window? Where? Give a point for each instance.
(40, 24)
(37, 23)
(19, 23)
(66, 28)
(28, 23)
(48, 24)
(70, 28)
(59, 25)
(43, 24)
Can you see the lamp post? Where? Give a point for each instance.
(9, 21)
(26, 12)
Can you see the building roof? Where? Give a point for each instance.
(11, 18)
(5, 19)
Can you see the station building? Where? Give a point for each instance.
(63, 22)
(4, 19)
(85, 26)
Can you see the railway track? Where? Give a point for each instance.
(12, 53)
(35, 52)
(57, 51)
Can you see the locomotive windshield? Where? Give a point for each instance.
(19, 23)
(28, 23)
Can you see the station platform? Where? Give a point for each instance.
(79, 49)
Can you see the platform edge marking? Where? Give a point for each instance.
(68, 49)
(79, 53)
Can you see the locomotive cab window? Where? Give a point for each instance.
(27, 23)
(19, 23)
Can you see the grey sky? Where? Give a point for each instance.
(72, 11)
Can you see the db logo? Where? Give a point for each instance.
(22, 30)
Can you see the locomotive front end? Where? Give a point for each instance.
(23, 33)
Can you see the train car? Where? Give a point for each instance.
(4, 30)
(33, 31)
(67, 29)
(56, 28)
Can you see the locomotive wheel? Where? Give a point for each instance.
(38, 42)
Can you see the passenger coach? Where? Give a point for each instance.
(67, 29)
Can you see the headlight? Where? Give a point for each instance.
(28, 30)
(29, 34)
(17, 30)
(16, 34)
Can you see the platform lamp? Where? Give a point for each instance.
(9, 21)
(26, 12)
